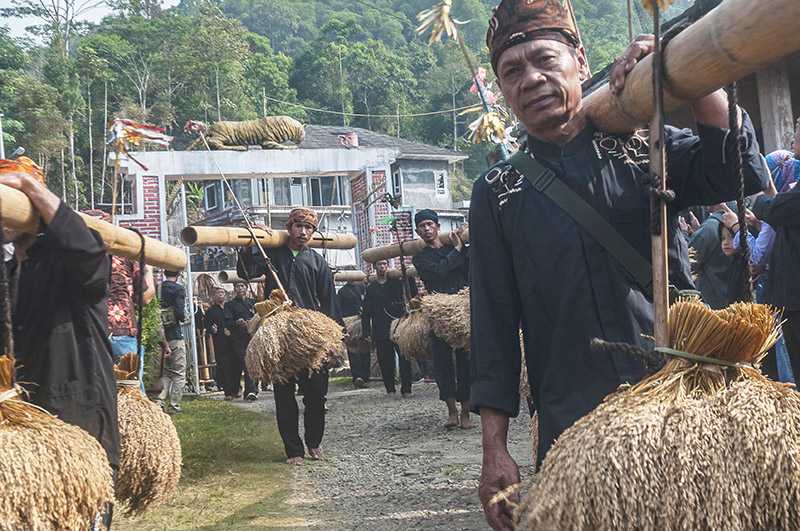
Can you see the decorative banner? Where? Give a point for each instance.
(137, 133)
(22, 165)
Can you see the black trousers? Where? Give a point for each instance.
(386, 351)
(314, 388)
(221, 355)
(791, 335)
(359, 365)
(454, 379)
(234, 370)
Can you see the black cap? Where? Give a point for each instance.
(425, 215)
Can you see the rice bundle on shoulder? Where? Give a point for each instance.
(697, 445)
(150, 450)
(449, 317)
(291, 340)
(355, 341)
(412, 333)
(54, 475)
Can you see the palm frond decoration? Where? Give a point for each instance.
(439, 21)
(489, 127)
(650, 5)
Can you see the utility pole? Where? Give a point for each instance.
(264, 101)
(398, 120)
(455, 119)
(2, 142)
(341, 88)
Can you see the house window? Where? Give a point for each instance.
(397, 184)
(440, 178)
(128, 196)
(328, 191)
(282, 191)
(296, 190)
(211, 195)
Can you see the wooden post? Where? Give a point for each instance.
(775, 103)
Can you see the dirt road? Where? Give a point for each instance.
(392, 465)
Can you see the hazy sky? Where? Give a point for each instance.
(17, 25)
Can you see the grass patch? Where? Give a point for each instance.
(233, 474)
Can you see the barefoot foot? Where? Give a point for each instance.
(296, 461)
(316, 454)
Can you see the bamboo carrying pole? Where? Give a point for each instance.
(240, 237)
(735, 39)
(231, 276)
(395, 274)
(410, 248)
(349, 276)
(18, 214)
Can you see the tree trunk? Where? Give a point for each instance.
(63, 179)
(72, 158)
(219, 106)
(91, 146)
(105, 144)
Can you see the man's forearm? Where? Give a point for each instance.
(712, 110)
(495, 430)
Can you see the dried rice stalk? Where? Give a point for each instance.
(55, 476)
(691, 447)
(412, 333)
(449, 317)
(291, 340)
(150, 452)
(354, 341)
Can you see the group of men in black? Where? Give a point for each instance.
(226, 323)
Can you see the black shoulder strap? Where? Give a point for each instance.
(546, 182)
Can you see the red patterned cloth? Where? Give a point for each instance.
(121, 306)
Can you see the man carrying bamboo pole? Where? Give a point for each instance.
(384, 302)
(61, 340)
(559, 276)
(444, 269)
(307, 279)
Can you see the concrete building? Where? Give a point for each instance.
(359, 181)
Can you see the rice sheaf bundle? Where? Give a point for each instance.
(355, 341)
(54, 475)
(150, 450)
(449, 316)
(697, 445)
(412, 333)
(291, 340)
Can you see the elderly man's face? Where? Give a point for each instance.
(541, 81)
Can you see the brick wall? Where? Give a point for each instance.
(358, 192)
(150, 225)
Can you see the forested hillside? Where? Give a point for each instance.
(232, 59)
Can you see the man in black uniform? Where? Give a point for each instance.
(308, 281)
(534, 266)
(60, 318)
(384, 302)
(444, 268)
(350, 298)
(238, 311)
(215, 325)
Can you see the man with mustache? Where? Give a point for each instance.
(308, 281)
(533, 265)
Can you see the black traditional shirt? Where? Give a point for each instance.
(382, 304)
(215, 316)
(236, 309)
(173, 295)
(443, 270)
(533, 266)
(349, 298)
(306, 277)
(60, 329)
(782, 212)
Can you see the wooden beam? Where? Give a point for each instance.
(775, 103)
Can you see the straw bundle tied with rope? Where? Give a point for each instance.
(150, 450)
(354, 341)
(449, 317)
(291, 340)
(412, 333)
(54, 475)
(701, 444)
